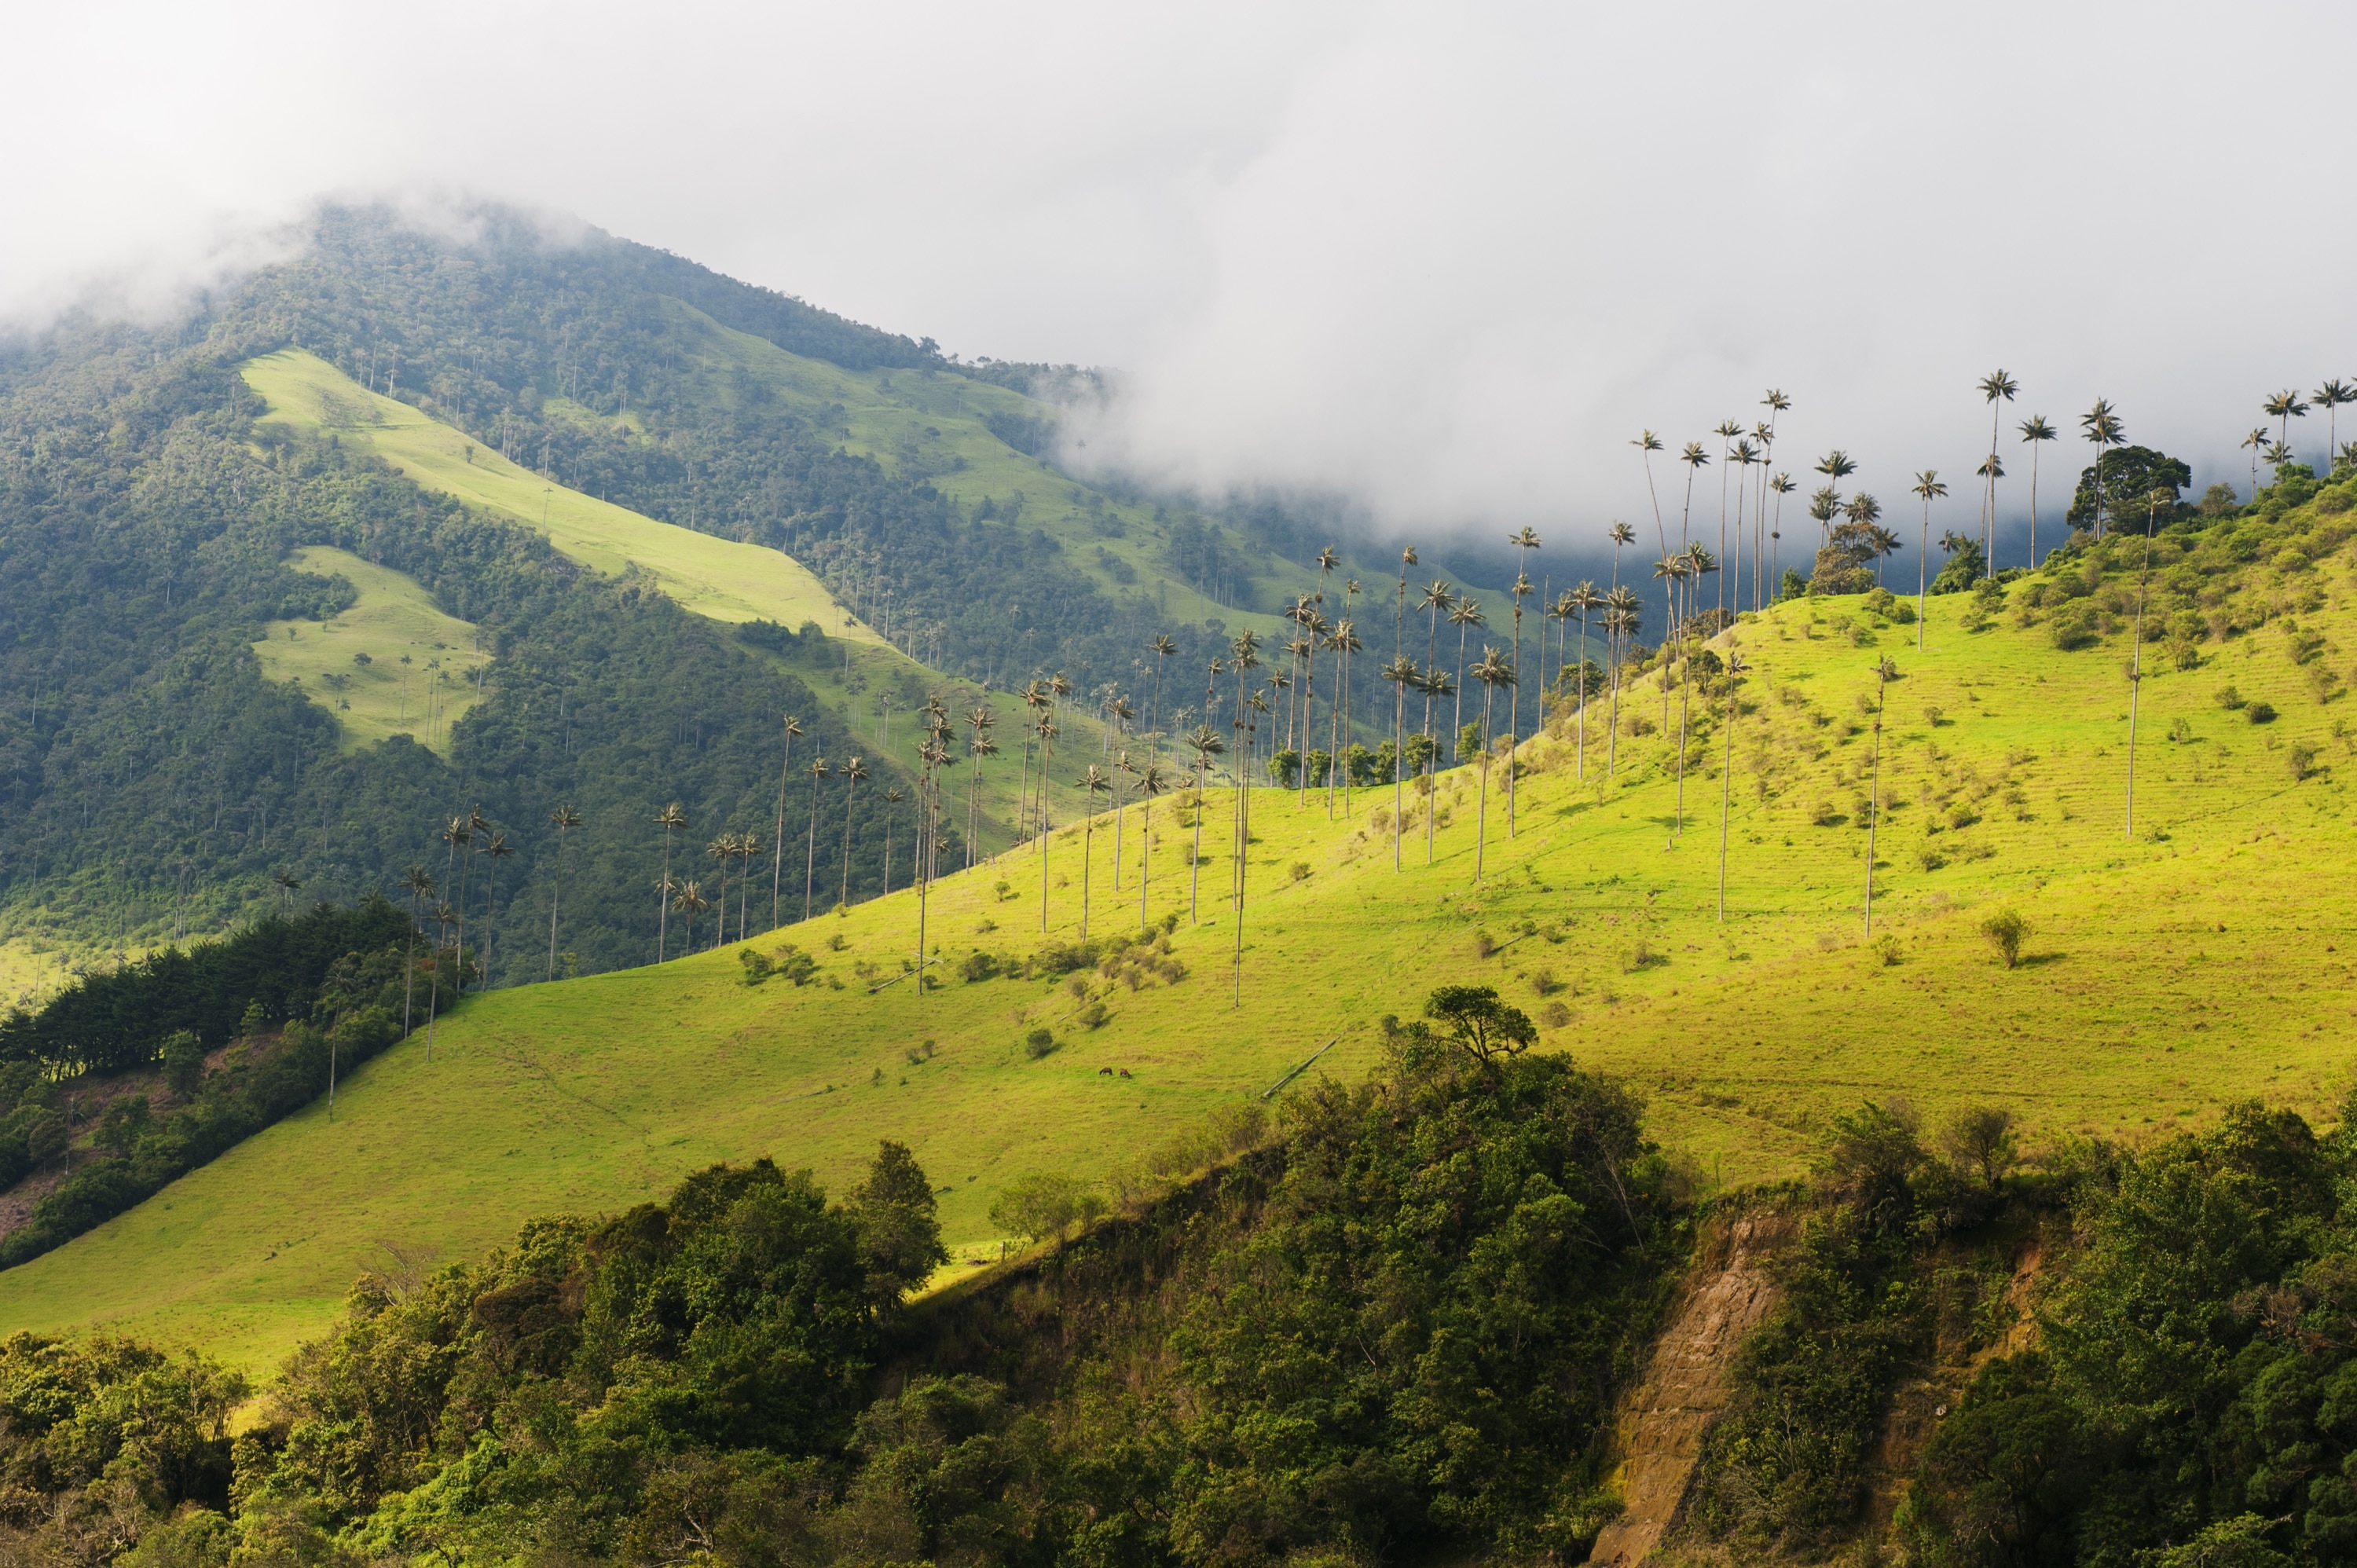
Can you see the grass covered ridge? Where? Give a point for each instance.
(2164, 975)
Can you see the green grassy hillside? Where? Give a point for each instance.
(853, 671)
(714, 577)
(2168, 969)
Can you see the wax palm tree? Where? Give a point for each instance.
(748, 844)
(818, 771)
(1778, 405)
(688, 899)
(1825, 505)
(1342, 643)
(722, 853)
(1464, 615)
(1695, 460)
(1998, 389)
(1885, 544)
(1670, 571)
(419, 882)
(2036, 432)
(671, 819)
(1035, 698)
(564, 818)
(2257, 442)
(1781, 485)
(1585, 601)
(1049, 731)
(1728, 431)
(892, 798)
(1151, 783)
(1864, 511)
(1622, 618)
(1836, 466)
(1304, 614)
(1399, 607)
(1162, 648)
(1885, 671)
(1563, 612)
(1736, 669)
(1437, 597)
(2329, 397)
(479, 829)
(1436, 684)
(778, 841)
(1521, 590)
(1059, 687)
(1744, 455)
(1620, 533)
(1928, 486)
(1698, 563)
(2101, 426)
(1122, 770)
(931, 754)
(442, 915)
(1206, 743)
(2284, 407)
(287, 883)
(498, 850)
(853, 772)
(978, 722)
(1991, 471)
(1402, 673)
(1647, 444)
(1093, 784)
(1731, 437)
(1118, 709)
(1492, 672)
(2155, 502)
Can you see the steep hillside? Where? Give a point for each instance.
(2164, 971)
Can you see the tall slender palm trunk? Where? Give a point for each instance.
(1481, 827)
(1515, 713)
(1726, 782)
(1874, 798)
(2135, 669)
(810, 847)
(1579, 714)
(850, 788)
(777, 842)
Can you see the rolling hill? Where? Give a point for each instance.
(2168, 971)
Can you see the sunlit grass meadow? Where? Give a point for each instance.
(2168, 971)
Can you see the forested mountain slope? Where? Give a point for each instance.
(155, 525)
(2153, 980)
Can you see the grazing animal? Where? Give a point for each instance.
(1125, 1072)
(1105, 1072)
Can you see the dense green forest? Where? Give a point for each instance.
(1392, 1328)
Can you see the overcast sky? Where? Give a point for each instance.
(1445, 259)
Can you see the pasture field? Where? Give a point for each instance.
(2168, 969)
(720, 578)
(419, 678)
